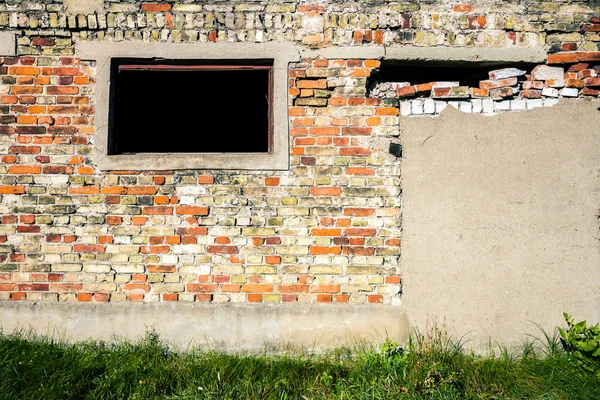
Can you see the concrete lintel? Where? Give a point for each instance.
(230, 327)
(8, 44)
(279, 51)
(102, 52)
(348, 52)
(471, 54)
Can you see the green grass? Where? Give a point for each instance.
(432, 367)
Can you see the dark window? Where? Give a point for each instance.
(163, 107)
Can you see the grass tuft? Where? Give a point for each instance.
(432, 366)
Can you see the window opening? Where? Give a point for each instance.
(191, 107)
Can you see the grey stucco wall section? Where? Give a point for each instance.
(215, 326)
(8, 44)
(500, 220)
(102, 52)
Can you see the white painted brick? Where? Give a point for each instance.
(488, 106)
(417, 107)
(187, 200)
(477, 106)
(440, 106)
(549, 92)
(405, 108)
(518, 104)
(569, 92)
(534, 103)
(502, 105)
(429, 106)
(465, 106)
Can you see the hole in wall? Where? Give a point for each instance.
(418, 72)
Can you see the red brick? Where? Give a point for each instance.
(340, 298)
(325, 191)
(24, 71)
(589, 56)
(462, 8)
(23, 170)
(191, 210)
(406, 91)
(88, 248)
(593, 82)
(273, 260)
(592, 28)
(105, 239)
(18, 296)
(12, 189)
(170, 297)
(142, 190)
(271, 181)
(292, 288)
(62, 90)
(135, 297)
(315, 250)
(531, 94)
(574, 83)
(386, 111)
(324, 131)
(222, 249)
(155, 249)
(201, 287)
(590, 92)
(257, 288)
(137, 286)
(114, 220)
(28, 229)
(195, 231)
(157, 210)
(323, 298)
(84, 297)
(360, 171)
(156, 7)
(206, 179)
(7, 287)
(359, 212)
(355, 151)
(326, 232)
(392, 242)
(375, 298)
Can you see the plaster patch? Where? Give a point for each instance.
(7, 44)
(85, 7)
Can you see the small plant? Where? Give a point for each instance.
(582, 342)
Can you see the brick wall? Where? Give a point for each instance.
(326, 230)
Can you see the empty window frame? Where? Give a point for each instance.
(110, 155)
(191, 106)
